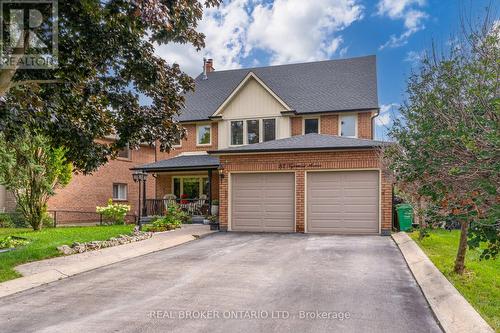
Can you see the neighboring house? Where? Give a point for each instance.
(7, 200)
(284, 148)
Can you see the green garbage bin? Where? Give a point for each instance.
(405, 216)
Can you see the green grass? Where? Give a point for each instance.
(43, 244)
(480, 284)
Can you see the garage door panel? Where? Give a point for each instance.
(350, 205)
(272, 197)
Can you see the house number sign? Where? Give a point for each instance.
(298, 165)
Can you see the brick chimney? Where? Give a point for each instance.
(208, 66)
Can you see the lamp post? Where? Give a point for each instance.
(138, 177)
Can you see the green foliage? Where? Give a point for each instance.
(10, 242)
(448, 137)
(172, 220)
(105, 49)
(113, 212)
(32, 169)
(6, 221)
(215, 202)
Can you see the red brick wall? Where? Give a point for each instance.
(329, 124)
(365, 125)
(189, 144)
(300, 163)
(85, 192)
(296, 125)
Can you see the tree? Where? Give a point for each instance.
(32, 169)
(106, 66)
(448, 137)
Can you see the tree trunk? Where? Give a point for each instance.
(462, 248)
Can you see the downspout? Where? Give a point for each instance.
(372, 119)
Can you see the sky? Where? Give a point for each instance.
(252, 33)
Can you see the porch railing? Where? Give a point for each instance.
(158, 207)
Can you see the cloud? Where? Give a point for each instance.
(407, 10)
(296, 30)
(225, 29)
(387, 114)
(284, 31)
(414, 57)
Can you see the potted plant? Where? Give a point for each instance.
(215, 207)
(206, 220)
(214, 222)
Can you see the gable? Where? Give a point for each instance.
(251, 99)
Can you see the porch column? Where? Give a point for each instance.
(144, 195)
(209, 192)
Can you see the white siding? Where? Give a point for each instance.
(251, 102)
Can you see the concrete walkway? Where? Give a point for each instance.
(452, 310)
(45, 271)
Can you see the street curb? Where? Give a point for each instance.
(102, 258)
(454, 313)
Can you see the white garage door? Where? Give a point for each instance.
(343, 202)
(262, 202)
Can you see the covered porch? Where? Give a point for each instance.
(190, 181)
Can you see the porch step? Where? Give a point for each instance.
(197, 219)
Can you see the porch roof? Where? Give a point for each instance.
(182, 163)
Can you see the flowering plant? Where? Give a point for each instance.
(115, 213)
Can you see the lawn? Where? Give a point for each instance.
(480, 284)
(43, 244)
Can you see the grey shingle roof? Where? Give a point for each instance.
(184, 162)
(305, 142)
(332, 85)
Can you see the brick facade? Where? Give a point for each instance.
(365, 125)
(300, 163)
(85, 192)
(329, 124)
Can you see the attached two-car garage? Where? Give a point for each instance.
(335, 202)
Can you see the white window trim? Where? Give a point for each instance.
(245, 129)
(200, 182)
(198, 137)
(304, 124)
(355, 125)
(126, 192)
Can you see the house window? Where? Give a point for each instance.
(348, 125)
(269, 126)
(191, 186)
(124, 153)
(253, 131)
(203, 136)
(119, 191)
(236, 133)
(311, 125)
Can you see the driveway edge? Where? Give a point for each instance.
(454, 313)
(63, 267)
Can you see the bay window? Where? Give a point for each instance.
(348, 125)
(252, 131)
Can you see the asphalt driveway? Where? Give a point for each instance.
(233, 282)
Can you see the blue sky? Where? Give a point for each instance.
(249, 33)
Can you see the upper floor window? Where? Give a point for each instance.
(252, 131)
(311, 125)
(124, 153)
(203, 134)
(119, 191)
(348, 125)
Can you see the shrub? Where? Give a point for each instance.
(172, 220)
(6, 221)
(215, 202)
(47, 220)
(114, 213)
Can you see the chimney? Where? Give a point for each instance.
(208, 67)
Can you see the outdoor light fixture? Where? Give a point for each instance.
(138, 177)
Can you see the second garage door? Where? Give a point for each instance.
(343, 202)
(262, 202)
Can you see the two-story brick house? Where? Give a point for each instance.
(284, 148)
